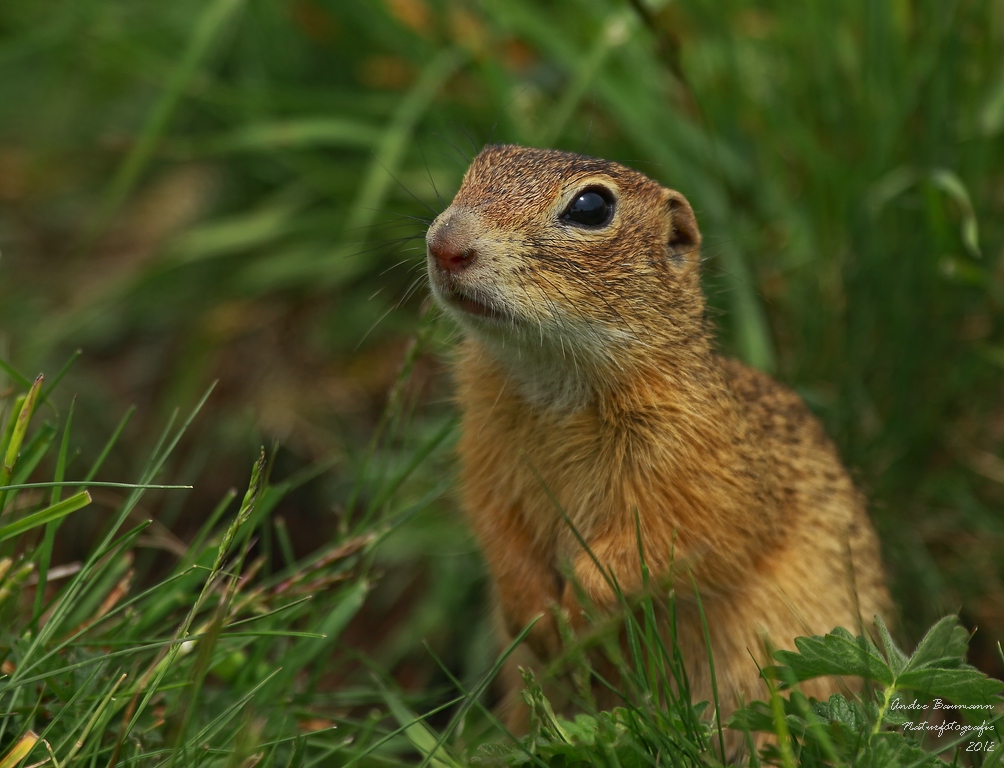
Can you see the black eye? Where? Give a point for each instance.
(591, 208)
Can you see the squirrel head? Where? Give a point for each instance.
(554, 255)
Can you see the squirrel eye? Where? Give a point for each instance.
(590, 208)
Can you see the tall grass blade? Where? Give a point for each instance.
(214, 18)
(12, 450)
(43, 516)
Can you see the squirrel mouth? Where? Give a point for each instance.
(471, 306)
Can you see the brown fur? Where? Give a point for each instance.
(588, 381)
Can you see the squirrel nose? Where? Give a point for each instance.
(449, 255)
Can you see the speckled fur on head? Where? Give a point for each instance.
(559, 294)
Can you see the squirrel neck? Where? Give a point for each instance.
(564, 380)
(681, 395)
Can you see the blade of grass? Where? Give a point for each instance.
(711, 664)
(380, 175)
(165, 444)
(254, 493)
(60, 472)
(13, 447)
(109, 444)
(394, 484)
(98, 484)
(347, 603)
(32, 452)
(301, 132)
(221, 720)
(156, 672)
(99, 711)
(400, 730)
(11, 421)
(59, 376)
(205, 31)
(473, 697)
(47, 515)
(20, 750)
(614, 32)
(23, 382)
(419, 734)
(198, 543)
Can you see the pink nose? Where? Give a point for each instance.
(450, 255)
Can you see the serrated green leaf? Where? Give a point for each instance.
(838, 709)
(498, 755)
(946, 642)
(938, 669)
(896, 658)
(965, 685)
(583, 730)
(838, 653)
(891, 749)
(898, 713)
(756, 716)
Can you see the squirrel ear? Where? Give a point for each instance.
(684, 236)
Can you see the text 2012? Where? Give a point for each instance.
(981, 746)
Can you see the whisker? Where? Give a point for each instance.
(432, 181)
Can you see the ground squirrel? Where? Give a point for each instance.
(592, 397)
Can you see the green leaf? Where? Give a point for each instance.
(945, 641)
(938, 669)
(839, 653)
(896, 658)
(838, 710)
(497, 755)
(543, 721)
(755, 716)
(965, 685)
(891, 749)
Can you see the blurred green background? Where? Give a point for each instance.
(236, 190)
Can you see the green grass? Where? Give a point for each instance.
(226, 658)
(218, 661)
(234, 191)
